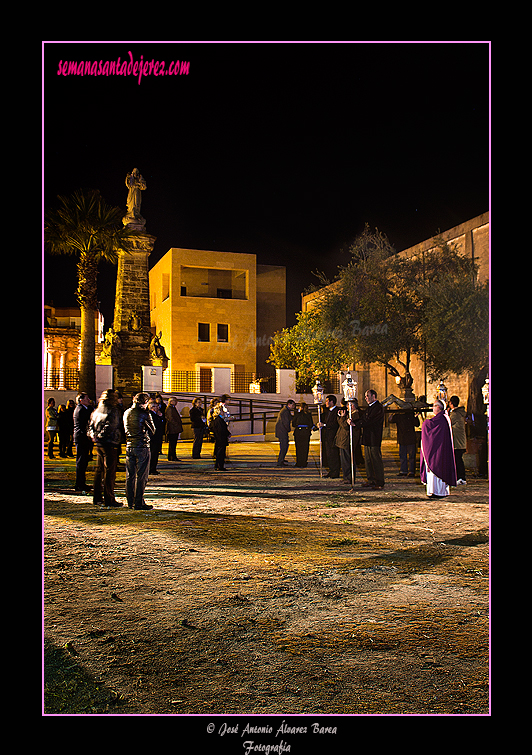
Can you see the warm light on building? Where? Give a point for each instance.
(215, 310)
(62, 345)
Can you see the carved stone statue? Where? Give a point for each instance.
(111, 348)
(157, 351)
(135, 184)
(135, 322)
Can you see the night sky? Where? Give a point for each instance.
(281, 150)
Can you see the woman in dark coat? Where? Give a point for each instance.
(71, 405)
(303, 425)
(174, 427)
(221, 438)
(198, 426)
(51, 425)
(156, 441)
(63, 428)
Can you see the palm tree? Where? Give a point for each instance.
(85, 225)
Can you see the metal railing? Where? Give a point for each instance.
(241, 381)
(190, 381)
(255, 412)
(178, 381)
(66, 378)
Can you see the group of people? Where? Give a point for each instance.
(102, 430)
(345, 428)
(60, 424)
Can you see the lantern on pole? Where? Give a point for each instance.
(318, 393)
(486, 398)
(486, 394)
(441, 393)
(349, 387)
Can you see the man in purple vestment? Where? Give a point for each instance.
(437, 468)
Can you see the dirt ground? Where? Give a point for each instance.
(265, 591)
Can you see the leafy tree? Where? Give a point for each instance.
(85, 225)
(374, 303)
(310, 349)
(455, 318)
(385, 308)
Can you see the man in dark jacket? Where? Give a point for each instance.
(406, 438)
(139, 428)
(372, 424)
(156, 440)
(330, 428)
(81, 417)
(282, 427)
(457, 415)
(105, 431)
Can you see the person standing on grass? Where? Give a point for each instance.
(437, 468)
(406, 438)
(197, 422)
(303, 425)
(174, 426)
(282, 428)
(81, 417)
(221, 438)
(139, 428)
(457, 415)
(51, 425)
(346, 440)
(330, 428)
(372, 424)
(104, 429)
(156, 440)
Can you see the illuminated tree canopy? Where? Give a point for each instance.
(384, 308)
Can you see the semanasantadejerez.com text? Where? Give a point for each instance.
(127, 67)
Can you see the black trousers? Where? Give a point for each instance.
(460, 468)
(198, 442)
(172, 445)
(155, 450)
(219, 455)
(83, 451)
(105, 475)
(345, 461)
(374, 465)
(333, 457)
(302, 441)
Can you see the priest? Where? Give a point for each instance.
(437, 468)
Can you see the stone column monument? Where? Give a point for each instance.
(128, 347)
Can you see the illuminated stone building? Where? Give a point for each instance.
(216, 309)
(62, 334)
(472, 240)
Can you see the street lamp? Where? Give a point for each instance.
(441, 393)
(318, 400)
(349, 387)
(486, 394)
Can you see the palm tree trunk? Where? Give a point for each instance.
(87, 367)
(88, 301)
